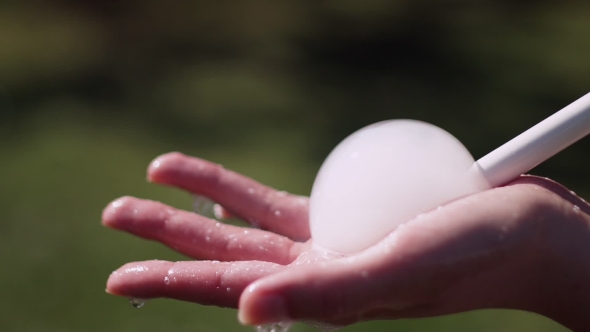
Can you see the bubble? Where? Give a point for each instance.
(403, 168)
(576, 209)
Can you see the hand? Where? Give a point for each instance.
(523, 246)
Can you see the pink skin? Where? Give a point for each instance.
(523, 246)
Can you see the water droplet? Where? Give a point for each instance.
(136, 269)
(246, 232)
(135, 211)
(301, 201)
(137, 303)
(254, 223)
(202, 205)
(228, 289)
(251, 190)
(572, 192)
(576, 209)
(218, 211)
(218, 225)
(166, 280)
(207, 238)
(277, 213)
(275, 327)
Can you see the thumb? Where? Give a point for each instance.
(332, 292)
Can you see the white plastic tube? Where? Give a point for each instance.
(537, 144)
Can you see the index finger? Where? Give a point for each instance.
(258, 204)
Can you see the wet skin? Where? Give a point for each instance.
(522, 246)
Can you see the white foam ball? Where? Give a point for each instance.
(384, 175)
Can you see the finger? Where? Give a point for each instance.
(555, 188)
(207, 282)
(195, 235)
(258, 204)
(481, 251)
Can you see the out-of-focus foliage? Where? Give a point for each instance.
(91, 91)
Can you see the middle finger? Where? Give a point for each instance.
(198, 236)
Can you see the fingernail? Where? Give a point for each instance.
(269, 309)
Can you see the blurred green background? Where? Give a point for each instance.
(91, 91)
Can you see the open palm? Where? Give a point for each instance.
(483, 251)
